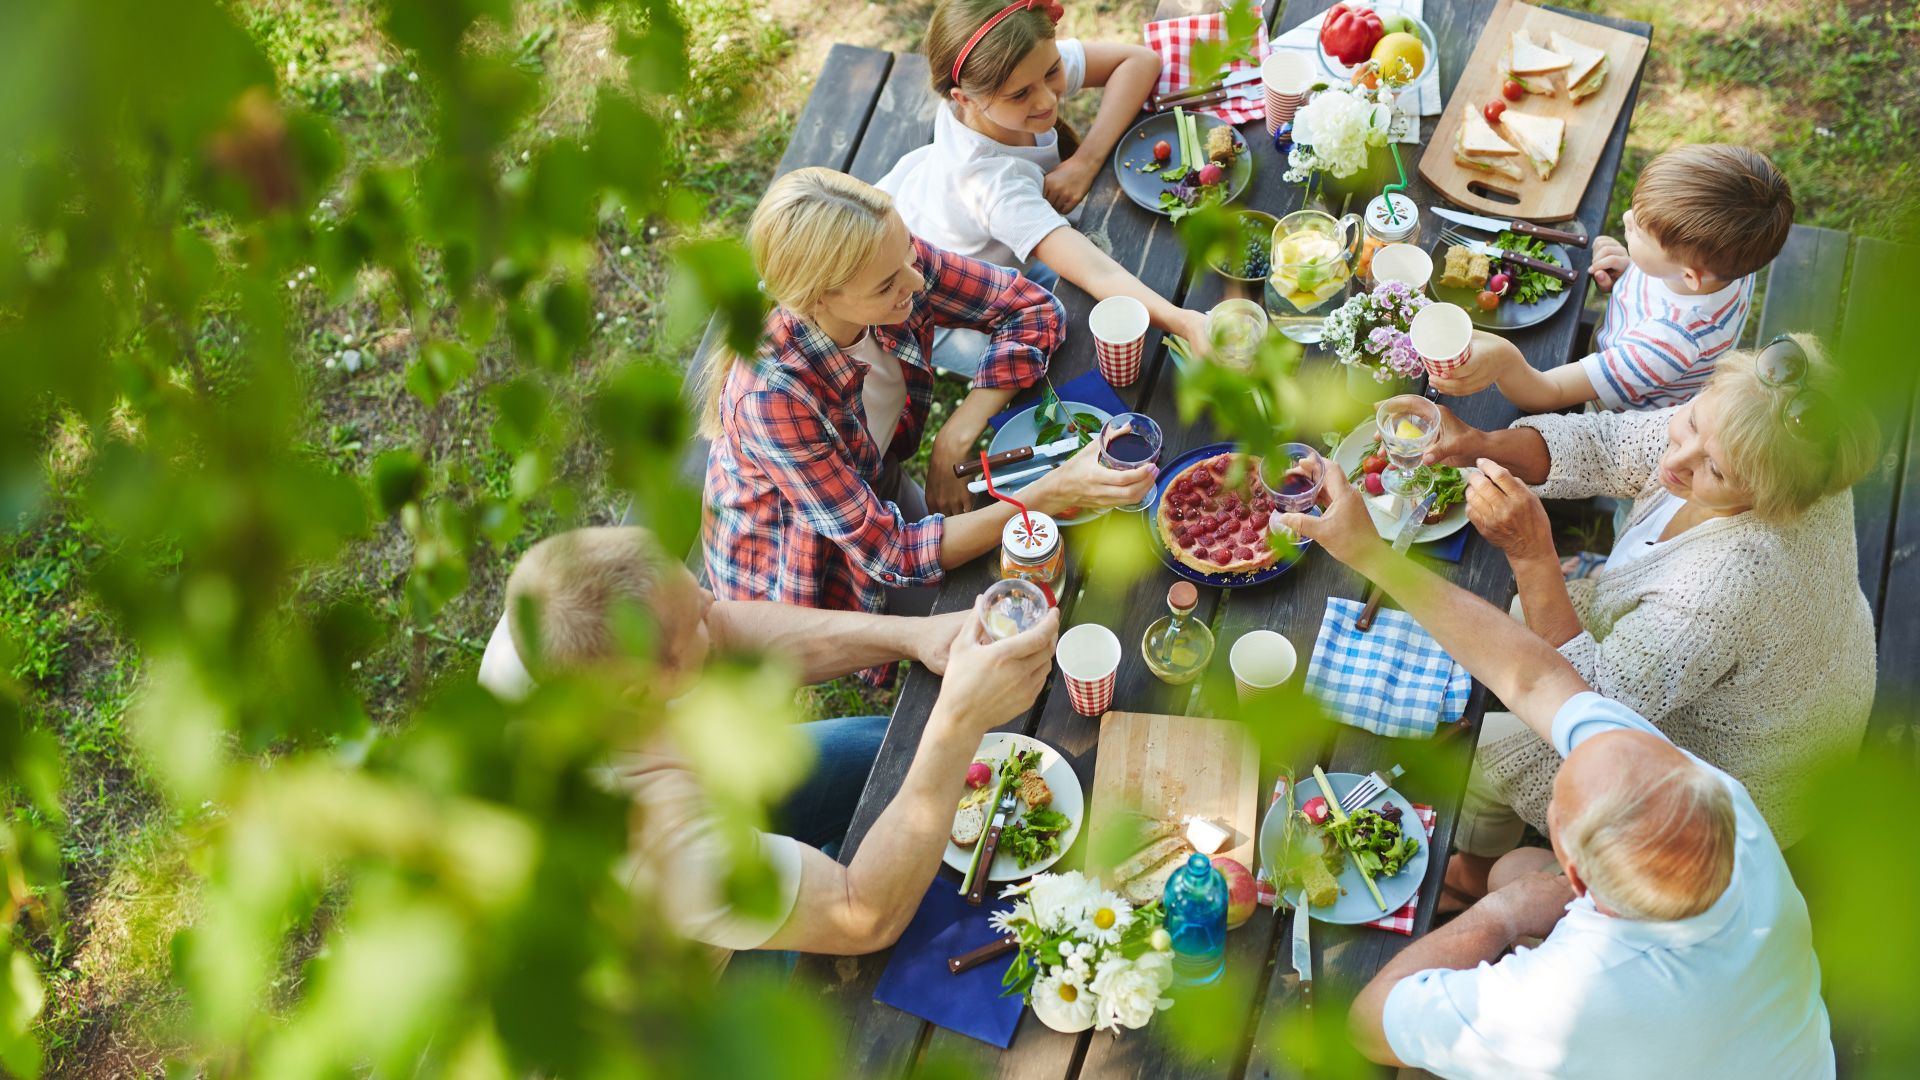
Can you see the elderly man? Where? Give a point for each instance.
(565, 613)
(1675, 941)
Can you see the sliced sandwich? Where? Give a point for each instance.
(1587, 67)
(1531, 65)
(1538, 137)
(1478, 146)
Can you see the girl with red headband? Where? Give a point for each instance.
(1004, 177)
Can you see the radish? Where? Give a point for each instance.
(1316, 810)
(979, 774)
(1211, 174)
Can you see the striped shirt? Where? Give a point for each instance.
(1656, 347)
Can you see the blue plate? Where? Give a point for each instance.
(1356, 903)
(1151, 516)
(1018, 431)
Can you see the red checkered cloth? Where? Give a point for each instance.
(1400, 922)
(1173, 39)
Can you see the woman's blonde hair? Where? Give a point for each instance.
(992, 61)
(810, 235)
(1788, 468)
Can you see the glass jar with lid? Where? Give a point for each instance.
(1391, 218)
(1031, 549)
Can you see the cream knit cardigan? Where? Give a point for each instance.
(1750, 644)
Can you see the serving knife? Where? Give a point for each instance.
(1001, 815)
(1499, 225)
(972, 466)
(1554, 270)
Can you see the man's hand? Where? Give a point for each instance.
(1345, 528)
(987, 685)
(1508, 513)
(933, 638)
(1459, 442)
(1070, 181)
(1488, 360)
(1610, 260)
(1531, 905)
(946, 493)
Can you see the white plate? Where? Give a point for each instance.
(1386, 518)
(995, 746)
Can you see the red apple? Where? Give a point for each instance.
(1240, 895)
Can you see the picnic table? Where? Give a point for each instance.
(868, 109)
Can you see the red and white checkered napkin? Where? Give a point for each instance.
(1400, 922)
(1173, 39)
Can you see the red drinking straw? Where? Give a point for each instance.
(987, 472)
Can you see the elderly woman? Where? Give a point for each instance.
(1729, 612)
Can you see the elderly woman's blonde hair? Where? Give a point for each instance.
(1785, 471)
(810, 235)
(1655, 847)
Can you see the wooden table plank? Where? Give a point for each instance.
(835, 118)
(902, 119)
(1804, 284)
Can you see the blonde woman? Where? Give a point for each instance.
(805, 500)
(1729, 612)
(1004, 177)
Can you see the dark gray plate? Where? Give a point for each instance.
(1136, 152)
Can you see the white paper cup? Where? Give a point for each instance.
(1441, 333)
(1262, 662)
(1119, 326)
(1285, 76)
(1405, 263)
(1089, 657)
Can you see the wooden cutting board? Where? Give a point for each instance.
(1589, 123)
(1169, 768)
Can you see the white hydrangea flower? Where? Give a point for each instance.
(1127, 992)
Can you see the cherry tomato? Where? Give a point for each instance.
(1373, 484)
(1373, 463)
(1493, 110)
(1316, 810)
(1162, 153)
(1513, 90)
(1488, 300)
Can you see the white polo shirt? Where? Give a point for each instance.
(1733, 991)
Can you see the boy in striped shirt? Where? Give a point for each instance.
(1705, 218)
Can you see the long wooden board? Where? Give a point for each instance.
(1589, 123)
(1172, 768)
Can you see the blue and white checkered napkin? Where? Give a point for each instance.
(1391, 680)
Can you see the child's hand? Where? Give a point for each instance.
(1069, 183)
(1487, 360)
(1610, 260)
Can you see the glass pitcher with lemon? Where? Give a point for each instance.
(1313, 259)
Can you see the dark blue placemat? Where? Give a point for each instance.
(1088, 389)
(917, 980)
(1449, 548)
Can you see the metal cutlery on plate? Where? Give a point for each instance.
(1565, 273)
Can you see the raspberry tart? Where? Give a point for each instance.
(1213, 527)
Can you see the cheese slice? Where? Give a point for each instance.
(1526, 57)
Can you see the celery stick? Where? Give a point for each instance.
(1180, 135)
(1340, 816)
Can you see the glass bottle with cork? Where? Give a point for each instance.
(1391, 218)
(1178, 646)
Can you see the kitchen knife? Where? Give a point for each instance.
(1015, 456)
(1555, 270)
(1005, 483)
(1179, 97)
(1002, 814)
(1524, 228)
(1207, 101)
(1412, 522)
(973, 958)
(1302, 951)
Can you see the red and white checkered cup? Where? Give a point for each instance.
(1262, 662)
(1119, 325)
(1089, 657)
(1442, 334)
(1285, 75)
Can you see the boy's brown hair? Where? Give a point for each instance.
(564, 590)
(1719, 209)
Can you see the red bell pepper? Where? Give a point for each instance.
(1349, 34)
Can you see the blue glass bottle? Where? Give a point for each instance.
(1196, 905)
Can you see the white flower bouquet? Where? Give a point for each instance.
(1087, 958)
(1370, 331)
(1337, 130)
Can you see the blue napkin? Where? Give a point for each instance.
(1449, 548)
(917, 980)
(1089, 389)
(1392, 680)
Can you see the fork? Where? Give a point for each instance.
(1369, 789)
(1459, 239)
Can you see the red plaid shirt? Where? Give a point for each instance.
(791, 514)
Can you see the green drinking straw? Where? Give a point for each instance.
(1401, 186)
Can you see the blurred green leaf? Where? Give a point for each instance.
(399, 477)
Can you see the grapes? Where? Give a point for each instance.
(1254, 258)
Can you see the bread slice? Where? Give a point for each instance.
(1478, 146)
(969, 822)
(1165, 846)
(1145, 888)
(1034, 790)
(1539, 137)
(1587, 72)
(1525, 56)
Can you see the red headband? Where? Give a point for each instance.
(1052, 9)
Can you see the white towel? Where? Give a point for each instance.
(1306, 38)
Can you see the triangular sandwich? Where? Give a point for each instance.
(1587, 70)
(1530, 65)
(1539, 137)
(1478, 146)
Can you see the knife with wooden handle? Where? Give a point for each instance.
(972, 466)
(973, 958)
(1002, 815)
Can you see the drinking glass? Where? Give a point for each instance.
(1292, 476)
(1010, 606)
(1128, 441)
(1409, 426)
(1235, 329)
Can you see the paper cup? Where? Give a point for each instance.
(1285, 76)
(1089, 657)
(1119, 325)
(1409, 265)
(1262, 662)
(1442, 334)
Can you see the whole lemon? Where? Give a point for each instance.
(1401, 57)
